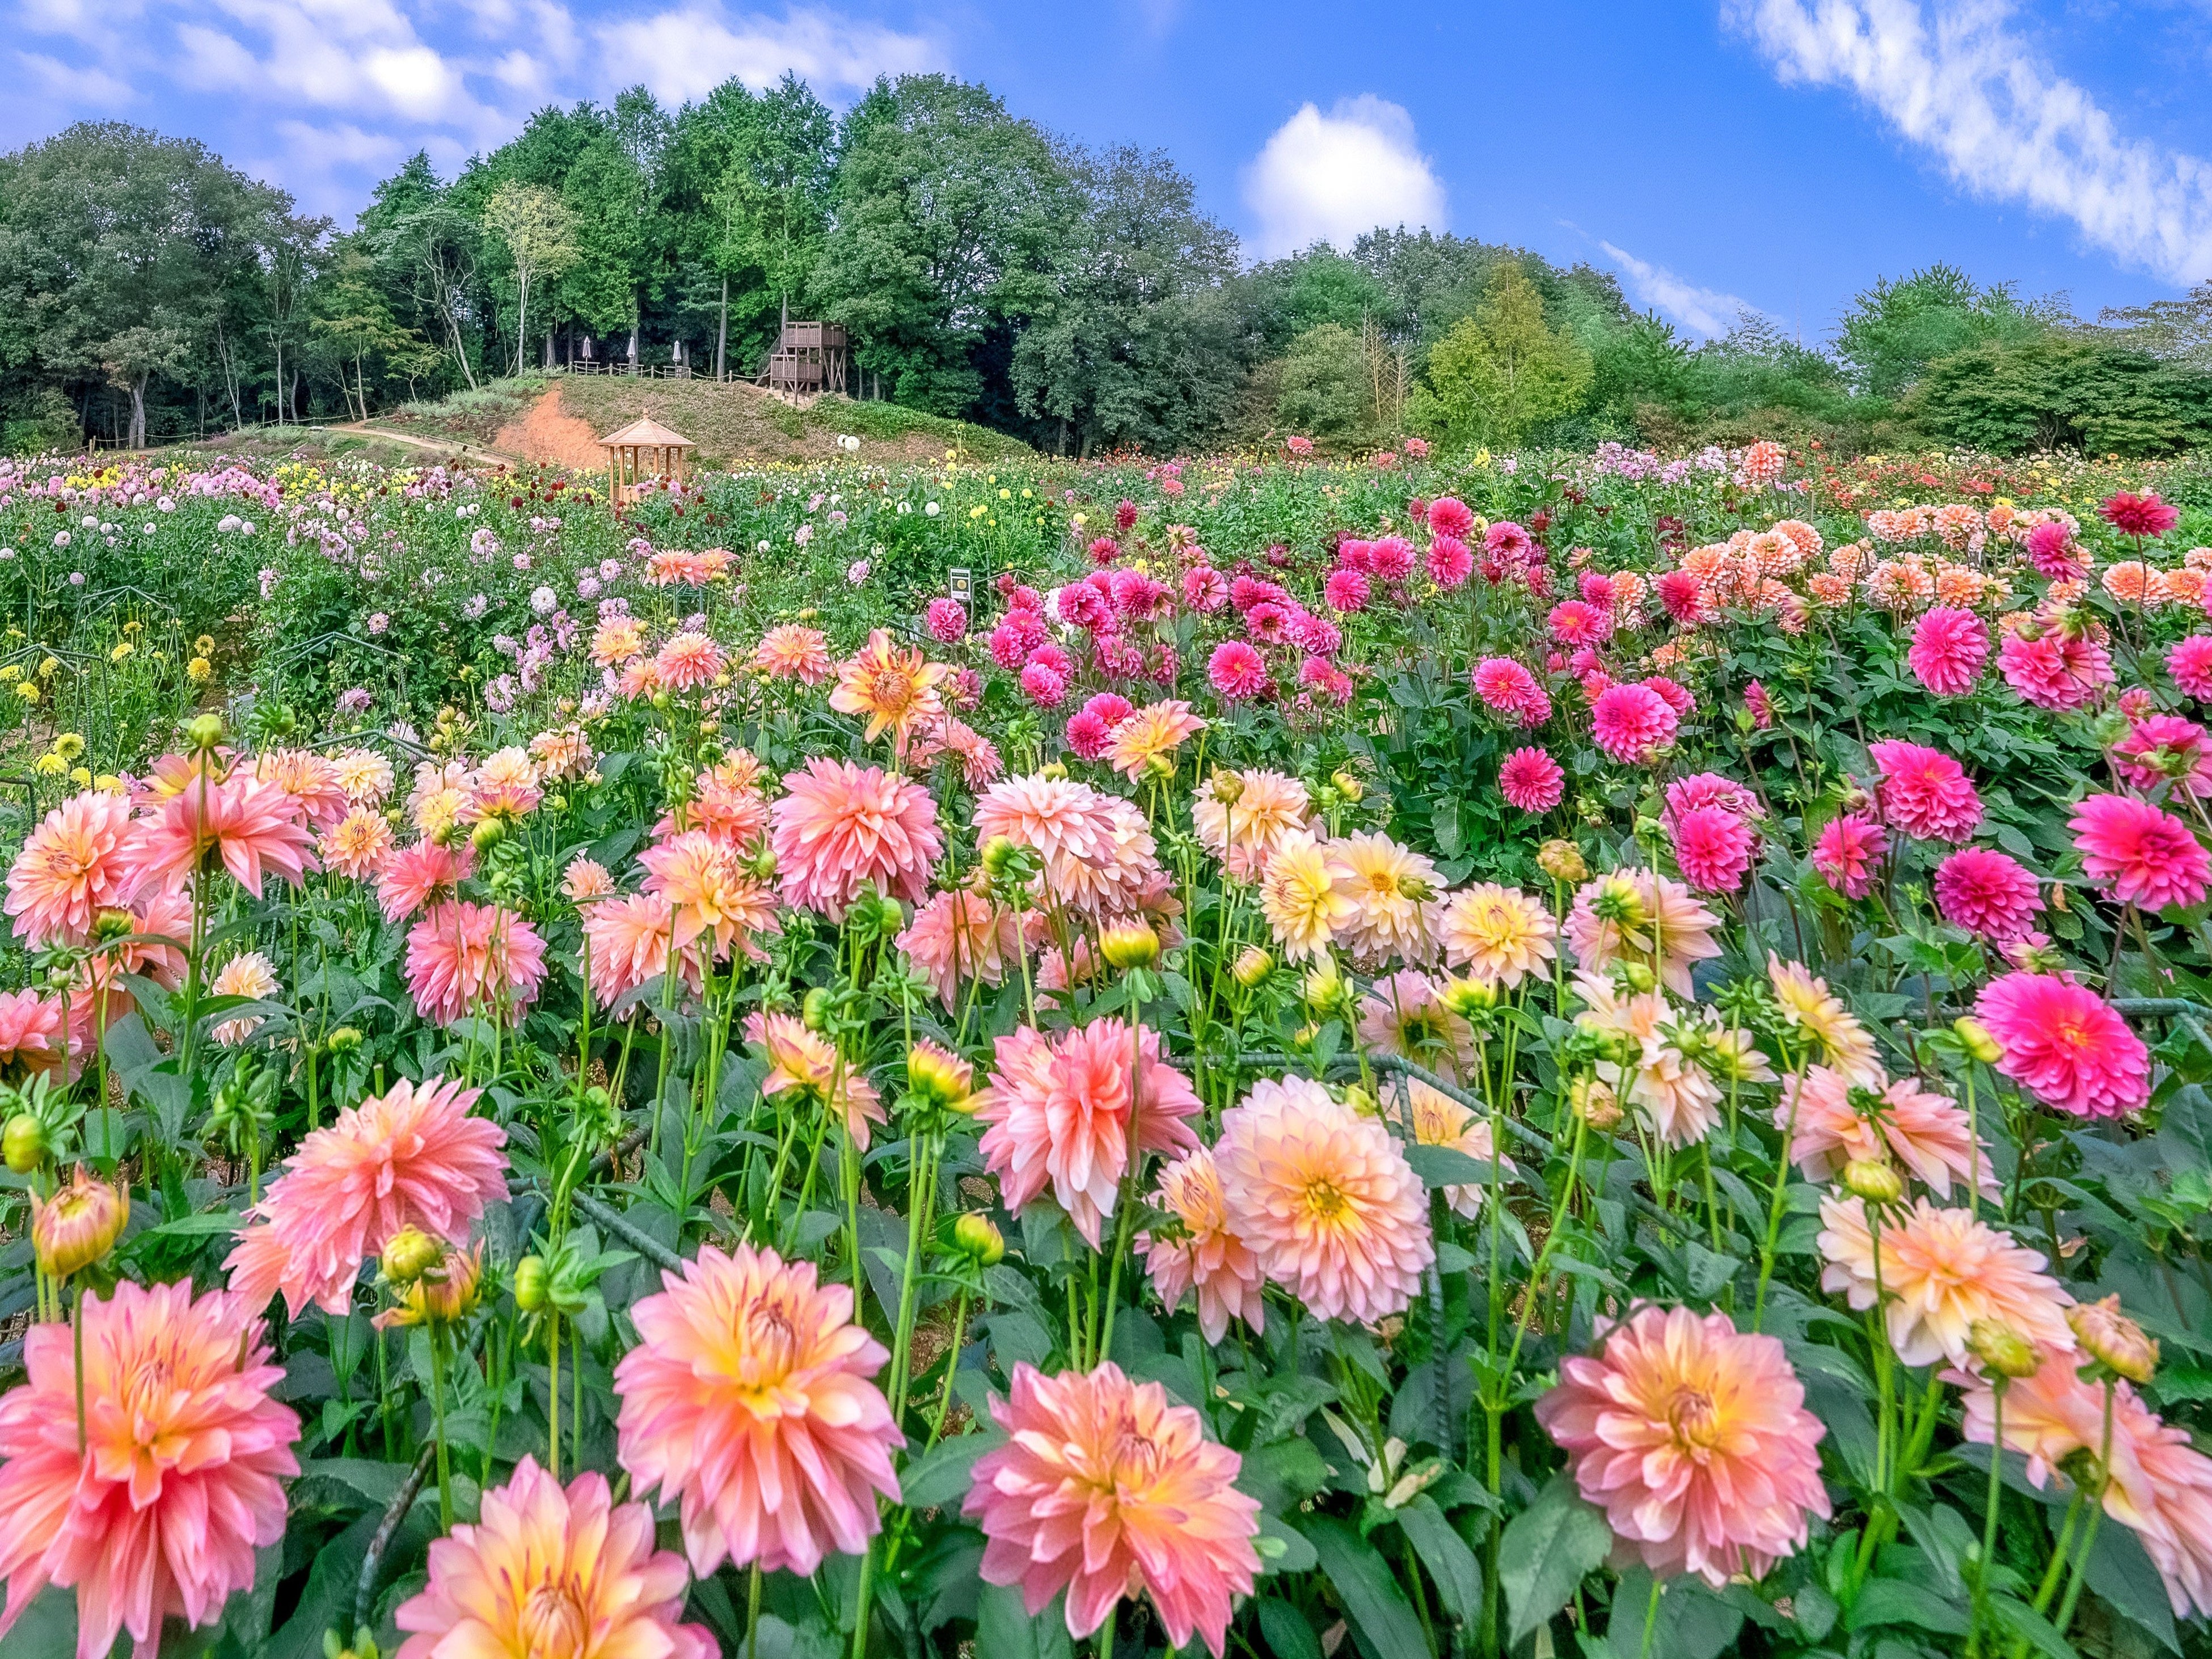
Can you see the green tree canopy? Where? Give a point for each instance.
(1503, 369)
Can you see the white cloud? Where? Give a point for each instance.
(1953, 78)
(1330, 178)
(1704, 311)
(74, 86)
(687, 52)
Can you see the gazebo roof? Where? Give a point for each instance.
(646, 433)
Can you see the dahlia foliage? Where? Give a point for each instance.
(1445, 1055)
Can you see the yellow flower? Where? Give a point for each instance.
(81, 777)
(198, 668)
(50, 766)
(47, 668)
(133, 626)
(27, 691)
(205, 646)
(69, 745)
(123, 648)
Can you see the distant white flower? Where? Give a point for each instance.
(544, 601)
(930, 509)
(378, 622)
(165, 505)
(91, 521)
(803, 535)
(76, 579)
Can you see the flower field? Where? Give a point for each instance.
(1558, 1054)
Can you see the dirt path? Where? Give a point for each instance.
(547, 432)
(461, 447)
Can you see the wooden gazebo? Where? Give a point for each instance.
(642, 450)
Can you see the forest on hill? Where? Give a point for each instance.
(987, 269)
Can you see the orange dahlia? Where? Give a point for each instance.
(896, 690)
(1242, 818)
(250, 826)
(790, 652)
(748, 1403)
(1155, 730)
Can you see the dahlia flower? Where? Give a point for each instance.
(1500, 935)
(2146, 856)
(1632, 723)
(1449, 516)
(805, 1062)
(148, 1484)
(1655, 921)
(2065, 1044)
(76, 863)
(896, 689)
(1987, 892)
(749, 1403)
(424, 874)
(1924, 791)
(790, 652)
(1807, 1003)
(841, 830)
(464, 958)
(1694, 1437)
(1201, 1253)
(2159, 1485)
(1237, 671)
(30, 1031)
(1713, 847)
(2140, 516)
(1926, 1131)
(1096, 850)
(2054, 672)
(1303, 895)
(1404, 1013)
(2189, 662)
(959, 936)
(251, 826)
(1531, 781)
(1677, 1099)
(1505, 685)
(1159, 1505)
(709, 891)
(1245, 831)
(358, 846)
(1325, 1199)
(1393, 892)
(1155, 730)
(1949, 647)
(1847, 852)
(555, 1573)
(626, 940)
(2162, 748)
(1940, 1271)
(249, 974)
(1059, 1108)
(411, 1156)
(1437, 1120)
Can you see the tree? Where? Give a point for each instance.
(538, 233)
(1503, 369)
(948, 214)
(1893, 331)
(134, 357)
(770, 202)
(1325, 388)
(2173, 330)
(604, 196)
(2055, 391)
(1132, 343)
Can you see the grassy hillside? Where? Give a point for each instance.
(557, 419)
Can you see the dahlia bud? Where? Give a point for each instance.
(1594, 1101)
(1129, 944)
(203, 731)
(1225, 786)
(111, 925)
(1420, 888)
(761, 867)
(1470, 998)
(488, 833)
(408, 1255)
(1618, 901)
(814, 1012)
(976, 1236)
(345, 1040)
(1303, 1038)
(1638, 975)
(998, 853)
(941, 1078)
(1562, 860)
(1975, 1038)
(1160, 766)
(24, 1142)
(530, 1284)
(1361, 1101)
(2003, 1350)
(1348, 786)
(1874, 1179)
(363, 1647)
(2110, 1335)
(1252, 965)
(443, 1295)
(78, 1225)
(1324, 990)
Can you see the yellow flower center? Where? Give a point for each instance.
(891, 691)
(1692, 1417)
(553, 1624)
(1324, 1202)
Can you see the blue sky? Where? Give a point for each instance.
(1717, 153)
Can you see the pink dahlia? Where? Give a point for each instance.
(1713, 847)
(1450, 562)
(1949, 647)
(2065, 1044)
(2144, 855)
(748, 1403)
(1849, 849)
(1449, 516)
(1345, 591)
(1505, 685)
(2053, 671)
(1044, 685)
(1531, 781)
(947, 621)
(1326, 1200)
(1102, 1489)
(148, 1483)
(1237, 671)
(412, 1157)
(2189, 662)
(1576, 622)
(1098, 855)
(1201, 1253)
(248, 826)
(1987, 892)
(76, 863)
(1925, 792)
(2140, 516)
(1694, 1437)
(424, 874)
(466, 959)
(2052, 551)
(1060, 1110)
(1632, 723)
(841, 830)
(2159, 748)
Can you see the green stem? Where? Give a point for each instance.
(438, 1415)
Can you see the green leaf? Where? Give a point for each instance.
(2122, 1575)
(1002, 1627)
(1546, 1551)
(1287, 1631)
(1690, 1622)
(47, 1627)
(1446, 1166)
(1708, 1270)
(2018, 1620)
(1445, 1554)
(1898, 1601)
(940, 1477)
(1372, 1600)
